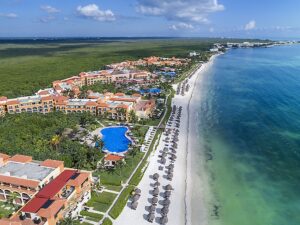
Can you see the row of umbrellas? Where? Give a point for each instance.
(135, 198)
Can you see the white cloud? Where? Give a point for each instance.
(49, 9)
(188, 11)
(92, 11)
(9, 15)
(251, 25)
(47, 19)
(211, 29)
(182, 26)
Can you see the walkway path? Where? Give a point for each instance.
(132, 174)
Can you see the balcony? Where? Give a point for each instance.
(66, 193)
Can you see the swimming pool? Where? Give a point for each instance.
(115, 139)
(151, 91)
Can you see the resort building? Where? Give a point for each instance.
(46, 190)
(111, 160)
(30, 104)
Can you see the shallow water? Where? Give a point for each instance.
(249, 124)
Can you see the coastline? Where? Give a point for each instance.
(181, 207)
(197, 183)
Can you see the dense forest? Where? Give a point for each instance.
(42, 136)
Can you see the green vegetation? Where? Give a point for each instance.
(27, 67)
(121, 202)
(41, 136)
(121, 172)
(101, 201)
(113, 187)
(5, 213)
(91, 216)
(107, 221)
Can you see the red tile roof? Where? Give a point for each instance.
(34, 205)
(52, 163)
(51, 189)
(52, 209)
(21, 158)
(19, 181)
(111, 157)
(4, 156)
(78, 180)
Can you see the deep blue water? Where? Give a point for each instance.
(115, 140)
(250, 122)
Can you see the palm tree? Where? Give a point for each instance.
(55, 141)
(96, 140)
(132, 117)
(12, 198)
(119, 166)
(69, 221)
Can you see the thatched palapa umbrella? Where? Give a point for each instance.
(137, 191)
(134, 205)
(168, 187)
(155, 192)
(164, 210)
(164, 220)
(154, 200)
(152, 208)
(156, 184)
(136, 197)
(151, 217)
(167, 193)
(155, 176)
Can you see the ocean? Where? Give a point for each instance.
(248, 138)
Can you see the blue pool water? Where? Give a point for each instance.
(151, 91)
(115, 140)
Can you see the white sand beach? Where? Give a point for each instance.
(180, 207)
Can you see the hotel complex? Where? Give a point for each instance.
(64, 94)
(45, 191)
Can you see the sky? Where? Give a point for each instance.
(150, 18)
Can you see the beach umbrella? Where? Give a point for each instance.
(151, 217)
(138, 191)
(155, 192)
(165, 210)
(170, 176)
(156, 184)
(136, 197)
(163, 160)
(169, 187)
(167, 193)
(152, 208)
(164, 220)
(166, 202)
(134, 205)
(170, 166)
(154, 200)
(155, 176)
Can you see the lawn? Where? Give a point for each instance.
(107, 221)
(91, 216)
(27, 67)
(120, 204)
(101, 201)
(116, 176)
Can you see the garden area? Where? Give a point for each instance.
(101, 201)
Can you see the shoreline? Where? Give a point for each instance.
(192, 144)
(180, 208)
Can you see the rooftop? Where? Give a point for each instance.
(32, 171)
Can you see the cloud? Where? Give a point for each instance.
(46, 19)
(211, 29)
(9, 15)
(49, 9)
(92, 11)
(188, 11)
(182, 26)
(251, 25)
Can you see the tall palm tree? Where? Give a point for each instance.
(96, 140)
(69, 221)
(55, 141)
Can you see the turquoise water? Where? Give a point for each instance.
(115, 140)
(250, 125)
